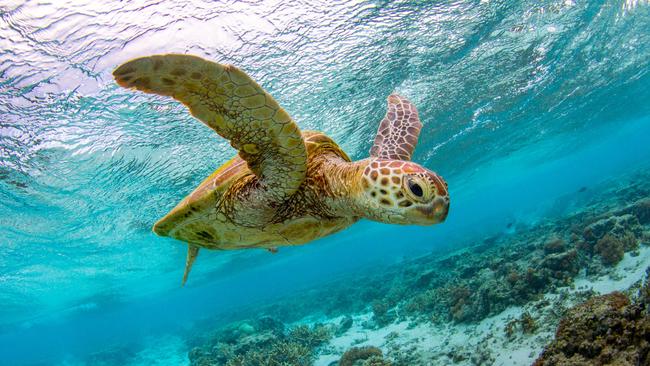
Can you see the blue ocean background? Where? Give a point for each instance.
(524, 103)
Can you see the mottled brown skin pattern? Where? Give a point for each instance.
(387, 182)
(398, 131)
(284, 187)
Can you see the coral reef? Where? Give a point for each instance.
(382, 313)
(610, 249)
(640, 209)
(605, 330)
(263, 342)
(525, 324)
(612, 236)
(310, 337)
(554, 245)
(487, 282)
(363, 356)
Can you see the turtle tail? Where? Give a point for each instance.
(192, 253)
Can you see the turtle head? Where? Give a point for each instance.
(403, 192)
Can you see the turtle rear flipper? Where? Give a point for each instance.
(236, 107)
(192, 253)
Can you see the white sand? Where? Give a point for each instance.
(162, 351)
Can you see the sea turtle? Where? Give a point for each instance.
(285, 187)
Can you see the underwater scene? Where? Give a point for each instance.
(352, 183)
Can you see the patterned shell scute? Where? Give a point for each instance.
(202, 217)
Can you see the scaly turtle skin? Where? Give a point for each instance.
(284, 187)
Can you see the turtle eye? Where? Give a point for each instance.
(416, 189)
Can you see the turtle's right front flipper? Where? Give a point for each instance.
(399, 130)
(236, 107)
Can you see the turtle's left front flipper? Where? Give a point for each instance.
(236, 107)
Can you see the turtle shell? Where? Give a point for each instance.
(201, 219)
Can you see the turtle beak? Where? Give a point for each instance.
(441, 208)
(436, 211)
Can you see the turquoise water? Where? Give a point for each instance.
(522, 102)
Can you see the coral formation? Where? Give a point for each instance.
(363, 356)
(261, 343)
(381, 312)
(612, 236)
(554, 245)
(310, 337)
(610, 249)
(640, 209)
(606, 330)
(525, 324)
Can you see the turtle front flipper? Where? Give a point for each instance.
(235, 106)
(398, 131)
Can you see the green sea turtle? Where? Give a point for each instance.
(285, 187)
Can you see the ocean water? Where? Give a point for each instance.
(525, 104)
